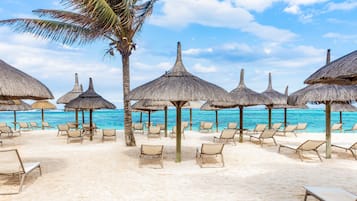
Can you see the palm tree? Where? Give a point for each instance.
(116, 21)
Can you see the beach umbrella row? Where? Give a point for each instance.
(18, 105)
(43, 105)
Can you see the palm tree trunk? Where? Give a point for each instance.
(129, 137)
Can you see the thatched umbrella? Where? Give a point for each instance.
(209, 107)
(74, 93)
(90, 100)
(287, 106)
(243, 97)
(325, 94)
(342, 108)
(340, 71)
(179, 86)
(7, 102)
(18, 106)
(141, 105)
(43, 105)
(16, 84)
(191, 105)
(276, 98)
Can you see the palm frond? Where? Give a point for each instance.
(65, 16)
(57, 31)
(142, 11)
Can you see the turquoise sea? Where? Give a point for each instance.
(114, 118)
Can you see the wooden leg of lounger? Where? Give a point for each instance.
(306, 194)
(318, 155)
(274, 141)
(222, 160)
(279, 148)
(353, 154)
(22, 182)
(300, 154)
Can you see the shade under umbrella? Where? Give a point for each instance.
(16, 84)
(342, 108)
(18, 106)
(209, 107)
(179, 86)
(74, 93)
(325, 94)
(90, 100)
(43, 105)
(276, 98)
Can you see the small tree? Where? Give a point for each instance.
(116, 21)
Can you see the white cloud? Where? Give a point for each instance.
(256, 5)
(346, 5)
(204, 69)
(340, 37)
(292, 9)
(243, 48)
(214, 13)
(196, 51)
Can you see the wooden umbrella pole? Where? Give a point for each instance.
(165, 121)
(285, 117)
(328, 129)
(240, 123)
(216, 121)
(141, 117)
(90, 124)
(340, 117)
(76, 118)
(149, 122)
(82, 116)
(190, 119)
(15, 120)
(43, 118)
(269, 116)
(178, 106)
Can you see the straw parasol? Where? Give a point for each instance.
(179, 86)
(209, 107)
(141, 105)
(276, 98)
(90, 100)
(16, 84)
(243, 97)
(43, 105)
(191, 105)
(74, 93)
(18, 106)
(343, 108)
(340, 71)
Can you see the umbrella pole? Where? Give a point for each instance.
(149, 122)
(340, 117)
(269, 116)
(328, 129)
(216, 121)
(90, 124)
(15, 120)
(43, 118)
(165, 121)
(141, 117)
(240, 123)
(190, 119)
(178, 106)
(285, 117)
(76, 118)
(82, 116)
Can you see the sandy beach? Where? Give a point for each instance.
(109, 171)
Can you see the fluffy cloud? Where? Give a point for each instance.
(346, 5)
(256, 5)
(204, 69)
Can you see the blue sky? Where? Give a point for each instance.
(288, 38)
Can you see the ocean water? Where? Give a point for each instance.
(315, 118)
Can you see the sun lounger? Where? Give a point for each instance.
(259, 128)
(46, 125)
(329, 194)
(232, 125)
(11, 164)
(206, 127)
(62, 129)
(153, 152)
(154, 131)
(301, 126)
(354, 128)
(138, 127)
(276, 126)
(7, 130)
(352, 148)
(34, 125)
(24, 126)
(109, 133)
(336, 127)
(226, 135)
(173, 132)
(288, 129)
(266, 134)
(3, 124)
(184, 124)
(208, 151)
(72, 125)
(74, 135)
(162, 127)
(308, 145)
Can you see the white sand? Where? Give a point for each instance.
(109, 171)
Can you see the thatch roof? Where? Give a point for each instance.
(340, 71)
(282, 106)
(74, 93)
(179, 85)
(208, 106)
(343, 108)
(43, 104)
(276, 97)
(22, 106)
(146, 105)
(90, 100)
(16, 84)
(193, 104)
(7, 102)
(322, 93)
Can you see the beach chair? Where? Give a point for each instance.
(154, 131)
(173, 132)
(354, 128)
(208, 151)
(24, 126)
(276, 126)
(86, 128)
(62, 129)
(147, 124)
(74, 135)
(226, 135)
(34, 125)
(206, 127)
(336, 126)
(109, 133)
(72, 125)
(329, 193)
(289, 129)
(232, 125)
(7, 130)
(259, 128)
(266, 134)
(348, 147)
(11, 164)
(152, 152)
(184, 124)
(46, 125)
(301, 126)
(308, 145)
(3, 124)
(138, 127)
(162, 127)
